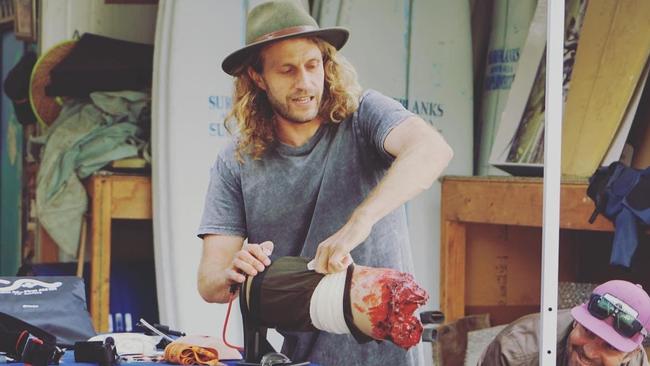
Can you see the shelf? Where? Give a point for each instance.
(512, 201)
(112, 196)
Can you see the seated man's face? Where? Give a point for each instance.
(586, 348)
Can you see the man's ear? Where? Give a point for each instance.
(256, 77)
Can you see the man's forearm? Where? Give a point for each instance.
(218, 253)
(414, 170)
(213, 286)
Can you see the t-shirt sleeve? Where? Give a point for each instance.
(223, 212)
(376, 117)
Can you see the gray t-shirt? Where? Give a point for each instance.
(297, 197)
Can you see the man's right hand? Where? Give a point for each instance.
(225, 261)
(250, 260)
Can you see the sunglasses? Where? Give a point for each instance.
(625, 321)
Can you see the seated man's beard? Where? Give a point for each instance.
(369, 303)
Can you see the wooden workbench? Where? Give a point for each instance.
(112, 196)
(512, 201)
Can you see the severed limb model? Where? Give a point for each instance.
(369, 303)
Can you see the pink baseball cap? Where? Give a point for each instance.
(628, 295)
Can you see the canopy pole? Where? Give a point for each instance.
(552, 174)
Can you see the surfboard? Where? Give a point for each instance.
(511, 20)
(613, 50)
(191, 96)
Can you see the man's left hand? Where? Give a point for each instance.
(333, 254)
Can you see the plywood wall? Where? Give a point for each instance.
(504, 270)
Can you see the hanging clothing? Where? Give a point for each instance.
(86, 136)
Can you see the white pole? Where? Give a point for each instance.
(552, 173)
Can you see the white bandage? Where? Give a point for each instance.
(326, 304)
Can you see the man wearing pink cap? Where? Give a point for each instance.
(607, 330)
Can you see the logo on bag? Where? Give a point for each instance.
(28, 286)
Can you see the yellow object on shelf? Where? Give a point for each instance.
(129, 163)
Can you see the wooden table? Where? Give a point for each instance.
(499, 201)
(112, 196)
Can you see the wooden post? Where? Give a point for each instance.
(452, 256)
(101, 192)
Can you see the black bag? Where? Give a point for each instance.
(56, 304)
(26, 343)
(98, 63)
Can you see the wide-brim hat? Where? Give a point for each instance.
(45, 107)
(276, 20)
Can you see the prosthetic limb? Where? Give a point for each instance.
(383, 304)
(369, 303)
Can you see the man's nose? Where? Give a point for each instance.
(302, 79)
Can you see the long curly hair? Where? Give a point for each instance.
(252, 117)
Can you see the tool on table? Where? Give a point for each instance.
(153, 329)
(161, 328)
(165, 338)
(102, 353)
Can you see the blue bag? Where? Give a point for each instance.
(622, 194)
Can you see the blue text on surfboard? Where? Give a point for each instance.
(500, 68)
(222, 105)
(219, 102)
(425, 109)
(502, 56)
(217, 129)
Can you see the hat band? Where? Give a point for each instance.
(284, 32)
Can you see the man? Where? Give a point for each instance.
(607, 330)
(318, 170)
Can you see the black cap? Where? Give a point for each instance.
(16, 86)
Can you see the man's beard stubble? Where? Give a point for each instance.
(283, 111)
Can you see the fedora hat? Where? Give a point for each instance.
(276, 20)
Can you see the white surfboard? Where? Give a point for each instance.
(191, 96)
(510, 23)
